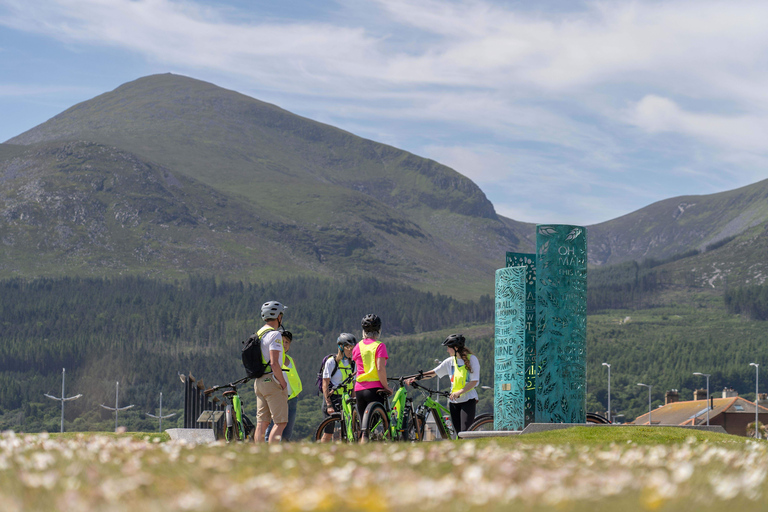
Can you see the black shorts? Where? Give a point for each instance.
(365, 397)
(336, 402)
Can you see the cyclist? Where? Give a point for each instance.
(272, 389)
(294, 381)
(335, 371)
(464, 370)
(370, 356)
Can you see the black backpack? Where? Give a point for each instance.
(253, 361)
(320, 373)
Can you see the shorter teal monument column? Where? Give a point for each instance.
(516, 259)
(561, 329)
(509, 350)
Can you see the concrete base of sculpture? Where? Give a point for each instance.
(192, 435)
(545, 427)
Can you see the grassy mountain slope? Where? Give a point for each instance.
(680, 224)
(302, 196)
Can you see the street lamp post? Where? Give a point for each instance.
(707, 376)
(437, 377)
(757, 430)
(160, 416)
(609, 391)
(116, 408)
(63, 397)
(649, 399)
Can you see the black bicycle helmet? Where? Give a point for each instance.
(288, 334)
(371, 323)
(346, 339)
(454, 341)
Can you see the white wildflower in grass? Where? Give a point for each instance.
(725, 487)
(192, 499)
(416, 456)
(681, 471)
(45, 480)
(473, 474)
(326, 458)
(398, 456)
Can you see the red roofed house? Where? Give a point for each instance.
(732, 412)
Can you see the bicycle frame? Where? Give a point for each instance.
(234, 410)
(236, 405)
(439, 411)
(347, 405)
(349, 431)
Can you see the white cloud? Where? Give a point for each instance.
(740, 132)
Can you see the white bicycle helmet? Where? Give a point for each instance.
(271, 310)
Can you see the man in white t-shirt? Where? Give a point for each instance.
(272, 389)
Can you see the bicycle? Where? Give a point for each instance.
(238, 426)
(382, 422)
(442, 416)
(346, 424)
(485, 422)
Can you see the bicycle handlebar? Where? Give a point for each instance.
(343, 383)
(431, 391)
(230, 385)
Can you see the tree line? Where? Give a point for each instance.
(144, 332)
(750, 301)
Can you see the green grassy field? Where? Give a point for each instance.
(576, 469)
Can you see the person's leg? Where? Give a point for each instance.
(278, 407)
(292, 405)
(328, 432)
(467, 414)
(277, 432)
(366, 397)
(263, 414)
(455, 410)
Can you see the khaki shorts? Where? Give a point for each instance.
(271, 400)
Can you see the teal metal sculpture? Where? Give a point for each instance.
(516, 259)
(561, 330)
(509, 386)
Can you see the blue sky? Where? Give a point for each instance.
(561, 111)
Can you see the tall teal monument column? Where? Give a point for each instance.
(509, 350)
(561, 330)
(516, 259)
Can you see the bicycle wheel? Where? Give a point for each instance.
(415, 430)
(375, 424)
(355, 426)
(441, 427)
(333, 422)
(483, 422)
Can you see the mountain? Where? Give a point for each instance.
(168, 175)
(705, 239)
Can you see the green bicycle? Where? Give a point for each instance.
(238, 426)
(395, 422)
(400, 422)
(442, 416)
(345, 424)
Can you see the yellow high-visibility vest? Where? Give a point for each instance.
(260, 333)
(368, 354)
(294, 381)
(459, 377)
(345, 367)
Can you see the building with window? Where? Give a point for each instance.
(733, 413)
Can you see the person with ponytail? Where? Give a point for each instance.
(464, 369)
